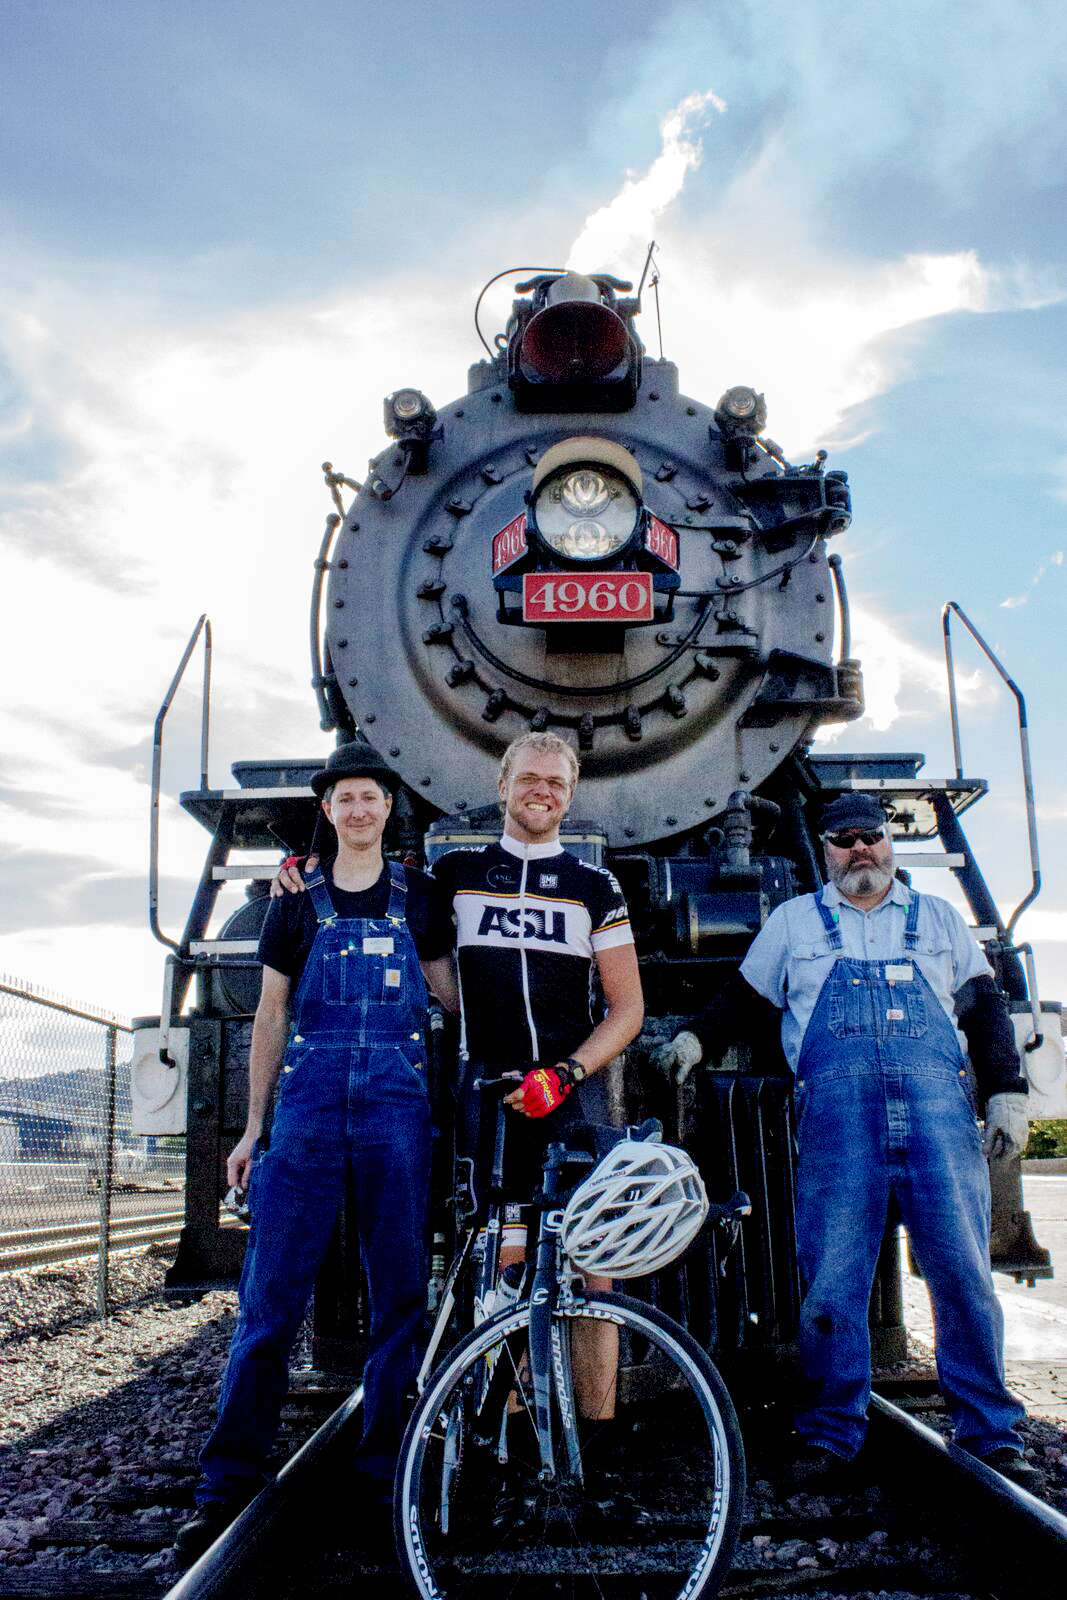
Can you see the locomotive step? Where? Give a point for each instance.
(243, 870)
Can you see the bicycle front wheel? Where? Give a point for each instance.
(657, 1513)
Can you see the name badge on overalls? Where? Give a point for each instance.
(899, 974)
(378, 946)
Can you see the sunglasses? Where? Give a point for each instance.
(848, 837)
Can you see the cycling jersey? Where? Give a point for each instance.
(529, 921)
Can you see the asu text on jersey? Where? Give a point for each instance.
(529, 919)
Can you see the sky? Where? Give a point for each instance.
(228, 229)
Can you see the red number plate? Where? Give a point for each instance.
(509, 544)
(663, 542)
(587, 597)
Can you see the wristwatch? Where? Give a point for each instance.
(578, 1072)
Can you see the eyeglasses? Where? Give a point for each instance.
(848, 837)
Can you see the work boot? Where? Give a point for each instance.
(211, 1519)
(1012, 1464)
(816, 1470)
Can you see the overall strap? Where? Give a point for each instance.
(320, 898)
(911, 926)
(398, 891)
(831, 922)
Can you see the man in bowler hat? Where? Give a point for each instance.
(339, 1033)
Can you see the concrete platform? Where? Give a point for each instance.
(1035, 1320)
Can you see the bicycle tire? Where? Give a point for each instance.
(677, 1463)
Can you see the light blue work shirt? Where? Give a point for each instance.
(790, 958)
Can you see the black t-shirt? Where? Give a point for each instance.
(530, 920)
(291, 925)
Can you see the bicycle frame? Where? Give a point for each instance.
(549, 1352)
(489, 1267)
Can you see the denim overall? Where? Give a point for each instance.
(885, 1109)
(352, 1098)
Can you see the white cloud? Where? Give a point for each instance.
(1015, 601)
(903, 683)
(615, 233)
(190, 481)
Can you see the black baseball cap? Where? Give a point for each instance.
(355, 760)
(852, 811)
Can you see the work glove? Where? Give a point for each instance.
(543, 1090)
(679, 1056)
(1007, 1127)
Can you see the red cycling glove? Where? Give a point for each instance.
(543, 1090)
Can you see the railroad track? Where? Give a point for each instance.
(77, 1241)
(943, 1524)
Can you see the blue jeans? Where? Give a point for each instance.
(884, 1110)
(383, 1140)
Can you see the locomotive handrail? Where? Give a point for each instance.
(322, 566)
(1037, 1038)
(844, 617)
(1024, 745)
(203, 626)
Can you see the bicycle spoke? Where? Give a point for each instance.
(659, 1506)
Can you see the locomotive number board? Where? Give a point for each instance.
(587, 597)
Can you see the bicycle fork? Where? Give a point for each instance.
(551, 1371)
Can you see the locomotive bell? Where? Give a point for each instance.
(576, 351)
(576, 335)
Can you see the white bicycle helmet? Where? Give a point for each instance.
(637, 1211)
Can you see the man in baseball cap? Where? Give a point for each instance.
(883, 995)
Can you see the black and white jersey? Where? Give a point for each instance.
(529, 921)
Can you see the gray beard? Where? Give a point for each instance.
(863, 881)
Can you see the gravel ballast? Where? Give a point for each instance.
(101, 1422)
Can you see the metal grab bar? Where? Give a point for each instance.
(1037, 1038)
(1024, 743)
(322, 674)
(203, 626)
(319, 674)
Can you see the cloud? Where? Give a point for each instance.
(1015, 601)
(822, 332)
(903, 683)
(1045, 924)
(824, 95)
(180, 465)
(612, 234)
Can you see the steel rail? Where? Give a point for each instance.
(85, 1250)
(1022, 1540)
(67, 1232)
(223, 1569)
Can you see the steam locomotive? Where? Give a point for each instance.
(576, 545)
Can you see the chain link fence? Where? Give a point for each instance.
(75, 1183)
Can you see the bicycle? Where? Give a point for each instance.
(494, 1475)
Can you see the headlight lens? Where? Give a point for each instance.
(407, 403)
(586, 513)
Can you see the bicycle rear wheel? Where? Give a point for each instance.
(660, 1518)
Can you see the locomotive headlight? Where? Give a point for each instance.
(586, 514)
(586, 500)
(741, 410)
(408, 415)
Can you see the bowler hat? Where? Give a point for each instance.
(354, 760)
(853, 811)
